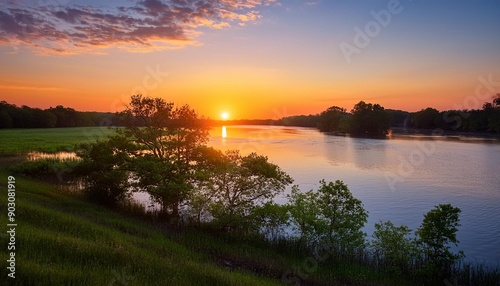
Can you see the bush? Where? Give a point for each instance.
(105, 180)
(393, 249)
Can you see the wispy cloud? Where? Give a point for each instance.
(145, 26)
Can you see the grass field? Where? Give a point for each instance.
(62, 239)
(51, 140)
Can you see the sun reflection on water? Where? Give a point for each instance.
(224, 132)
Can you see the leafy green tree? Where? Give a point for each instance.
(392, 247)
(344, 216)
(303, 207)
(435, 234)
(235, 185)
(271, 219)
(331, 215)
(370, 120)
(167, 138)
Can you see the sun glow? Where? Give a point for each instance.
(224, 115)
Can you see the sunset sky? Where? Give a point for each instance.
(250, 58)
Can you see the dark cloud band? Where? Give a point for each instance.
(147, 25)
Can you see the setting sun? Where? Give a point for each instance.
(224, 115)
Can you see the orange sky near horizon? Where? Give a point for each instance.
(278, 60)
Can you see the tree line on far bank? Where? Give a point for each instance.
(364, 120)
(373, 120)
(12, 116)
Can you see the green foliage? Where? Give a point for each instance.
(232, 186)
(166, 181)
(103, 171)
(369, 120)
(435, 234)
(392, 247)
(68, 241)
(272, 220)
(168, 138)
(343, 216)
(330, 215)
(304, 214)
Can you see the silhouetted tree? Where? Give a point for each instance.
(400, 118)
(333, 119)
(300, 120)
(425, 119)
(6, 120)
(369, 120)
(168, 138)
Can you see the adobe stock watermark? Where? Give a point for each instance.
(11, 226)
(485, 90)
(363, 37)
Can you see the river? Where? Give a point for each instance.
(398, 180)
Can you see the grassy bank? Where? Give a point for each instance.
(50, 140)
(63, 240)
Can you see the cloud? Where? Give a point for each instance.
(144, 26)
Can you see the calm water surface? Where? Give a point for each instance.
(397, 180)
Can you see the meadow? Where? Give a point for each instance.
(49, 140)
